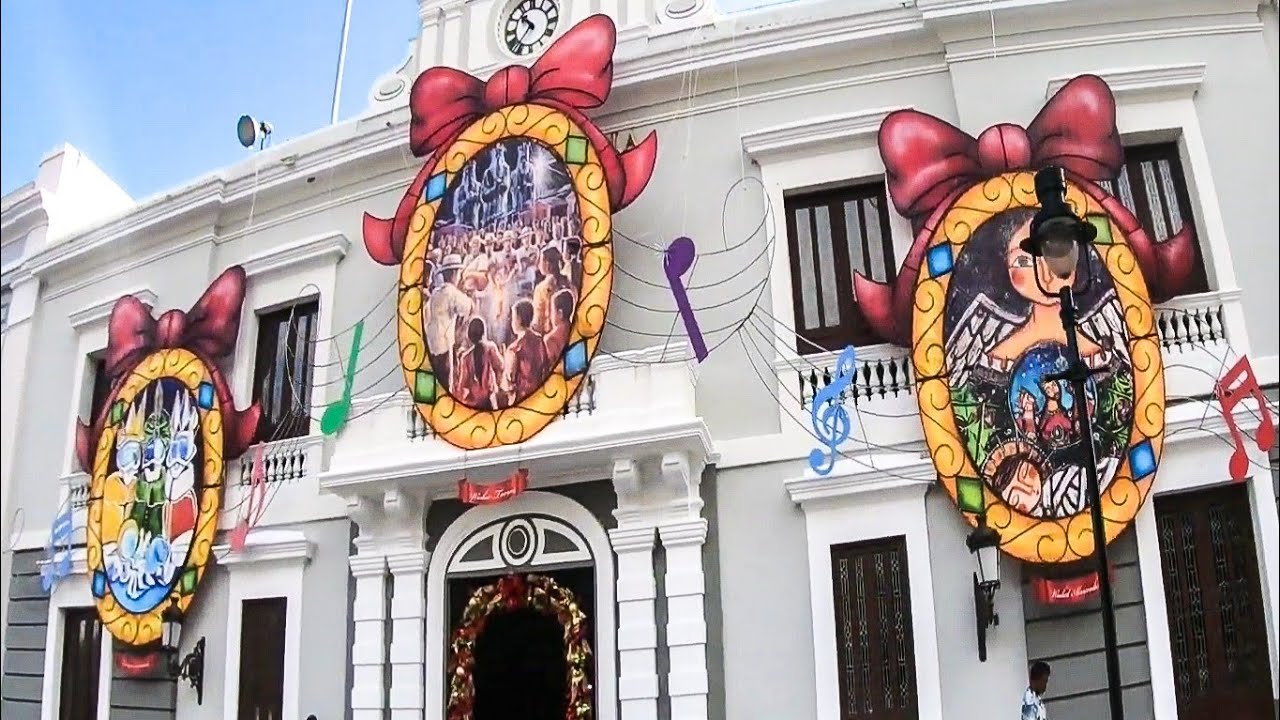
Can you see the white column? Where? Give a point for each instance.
(637, 634)
(368, 649)
(686, 618)
(408, 624)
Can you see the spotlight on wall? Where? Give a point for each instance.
(252, 132)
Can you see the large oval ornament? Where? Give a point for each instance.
(155, 493)
(506, 277)
(1001, 431)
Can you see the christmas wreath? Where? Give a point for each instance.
(514, 592)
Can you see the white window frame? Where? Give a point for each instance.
(89, 324)
(71, 592)
(302, 270)
(571, 513)
(810, 154)
(271, 565)
(854, 504)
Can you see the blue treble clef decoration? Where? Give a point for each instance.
(58, 565)
(831, 423)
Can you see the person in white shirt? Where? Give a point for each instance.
(447, 308)
(1033, 698)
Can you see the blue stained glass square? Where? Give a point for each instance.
(436, 186)
(575, 359)
(98, 585)
(1142, 460)
(204, 395)
(940, 260)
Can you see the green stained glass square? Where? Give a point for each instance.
(1103, 226)
(575, 149)
(969, 494)
(424, 387)
(117, 412)
(188, 583)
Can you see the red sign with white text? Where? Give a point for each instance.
(493, 493)
(1066, 591)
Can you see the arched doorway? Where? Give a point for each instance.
(539, 535)
(520, 649)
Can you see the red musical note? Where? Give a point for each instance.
(255, 503)
(1237, 384)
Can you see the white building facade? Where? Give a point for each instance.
(718, 575)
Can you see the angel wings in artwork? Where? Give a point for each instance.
(991, 337)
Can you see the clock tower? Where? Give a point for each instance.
(481, 36)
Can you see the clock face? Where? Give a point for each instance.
(530, 25)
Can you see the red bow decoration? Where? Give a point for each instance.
(928, 162)
(209, 330)
(574, 74)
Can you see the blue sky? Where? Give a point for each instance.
(151, 90)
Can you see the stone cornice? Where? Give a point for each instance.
(309, 249)
(862, 125)
(1137, 83)
(101, 310)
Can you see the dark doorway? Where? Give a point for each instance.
(520, 667)
(1217, 631)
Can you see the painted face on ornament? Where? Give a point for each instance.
(990, 343)
(156, 477)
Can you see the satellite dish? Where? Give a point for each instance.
(252, 132)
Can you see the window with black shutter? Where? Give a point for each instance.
(1153, 187)
(832, 234)
(262, 659)
(875, 648)
(81, 653)
(282, 370)
(100, 387)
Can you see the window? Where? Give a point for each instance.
(875, 648)
(1152, 186)
(282, 370)
(832, 234)
(100, 388)
(262, 659)
(81, 652)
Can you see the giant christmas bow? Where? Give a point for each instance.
(929, 162)
(209, 330)
(573, 75)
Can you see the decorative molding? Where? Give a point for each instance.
(308, 249)
(98, 271)
(367, 565)
(687, 532)
(855, 475)
(861, 126)
(1095, 40)
(626, 477)
(101, 310)
(263, 546)
(939, 9)
(625, 540)
(413, 561)
(1136, 83)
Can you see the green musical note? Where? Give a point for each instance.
(335, 416)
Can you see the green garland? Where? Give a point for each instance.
(514, 592)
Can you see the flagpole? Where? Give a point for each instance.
(342, 61)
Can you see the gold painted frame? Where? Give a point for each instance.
(1037, 540)
(466, 427)
(141, 629)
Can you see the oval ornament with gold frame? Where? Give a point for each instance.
(1001, 431)
(481, 386)
(155, 494)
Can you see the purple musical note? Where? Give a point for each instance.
(678, 260)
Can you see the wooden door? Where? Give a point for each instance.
(1217, 631)
(262, 628)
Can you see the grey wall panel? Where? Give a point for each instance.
(711, 600)
(1070, 640)
(26, 625)
(19, 710)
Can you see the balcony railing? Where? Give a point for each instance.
(74, 489)
(290, 469)
(622, 392)
(1194, 333)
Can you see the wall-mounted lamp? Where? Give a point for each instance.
(191, 667)
(984, 544)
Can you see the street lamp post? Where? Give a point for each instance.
(1057, 237)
